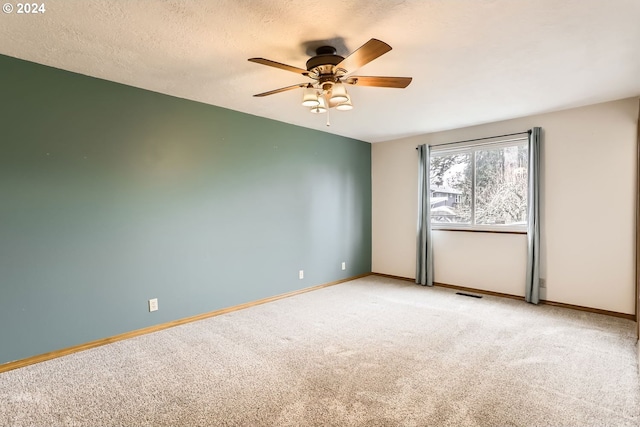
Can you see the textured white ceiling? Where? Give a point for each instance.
(472, 61)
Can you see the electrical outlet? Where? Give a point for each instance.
(301, 274)
(344, 265)
(153, 304)
(543, 283)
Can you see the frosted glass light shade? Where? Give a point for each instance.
(339, 93)
(321, 107)
(345, 106)
(310, 97)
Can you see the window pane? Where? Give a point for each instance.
(450, 187)
(501, 186)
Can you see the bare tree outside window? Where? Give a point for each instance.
(501, 185)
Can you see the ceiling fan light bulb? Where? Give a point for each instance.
(339, 93)
(310, 97)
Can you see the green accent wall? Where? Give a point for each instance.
(111, 195)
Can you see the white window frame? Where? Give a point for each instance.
(449, 149)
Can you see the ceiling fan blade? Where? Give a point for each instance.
(279, 65)
(282, 89)
(397, 82)
(364, 54)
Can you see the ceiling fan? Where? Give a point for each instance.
(329, 73)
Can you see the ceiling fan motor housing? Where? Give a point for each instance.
(325, 56)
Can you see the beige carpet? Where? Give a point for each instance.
(374, 352)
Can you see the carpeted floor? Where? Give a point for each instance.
(374, 352)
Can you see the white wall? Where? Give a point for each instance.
(587, 206)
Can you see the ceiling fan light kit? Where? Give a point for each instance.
(336, 93)
(328, 70)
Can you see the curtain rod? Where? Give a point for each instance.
(481, 139)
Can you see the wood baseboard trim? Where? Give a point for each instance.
(9, 366)
(590, 310)
(517, 297)
(391, 276)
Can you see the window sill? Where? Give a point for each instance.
(473, 230)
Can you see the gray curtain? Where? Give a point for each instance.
(533, 232)
(424, 249)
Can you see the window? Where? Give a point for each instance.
(481, 187)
